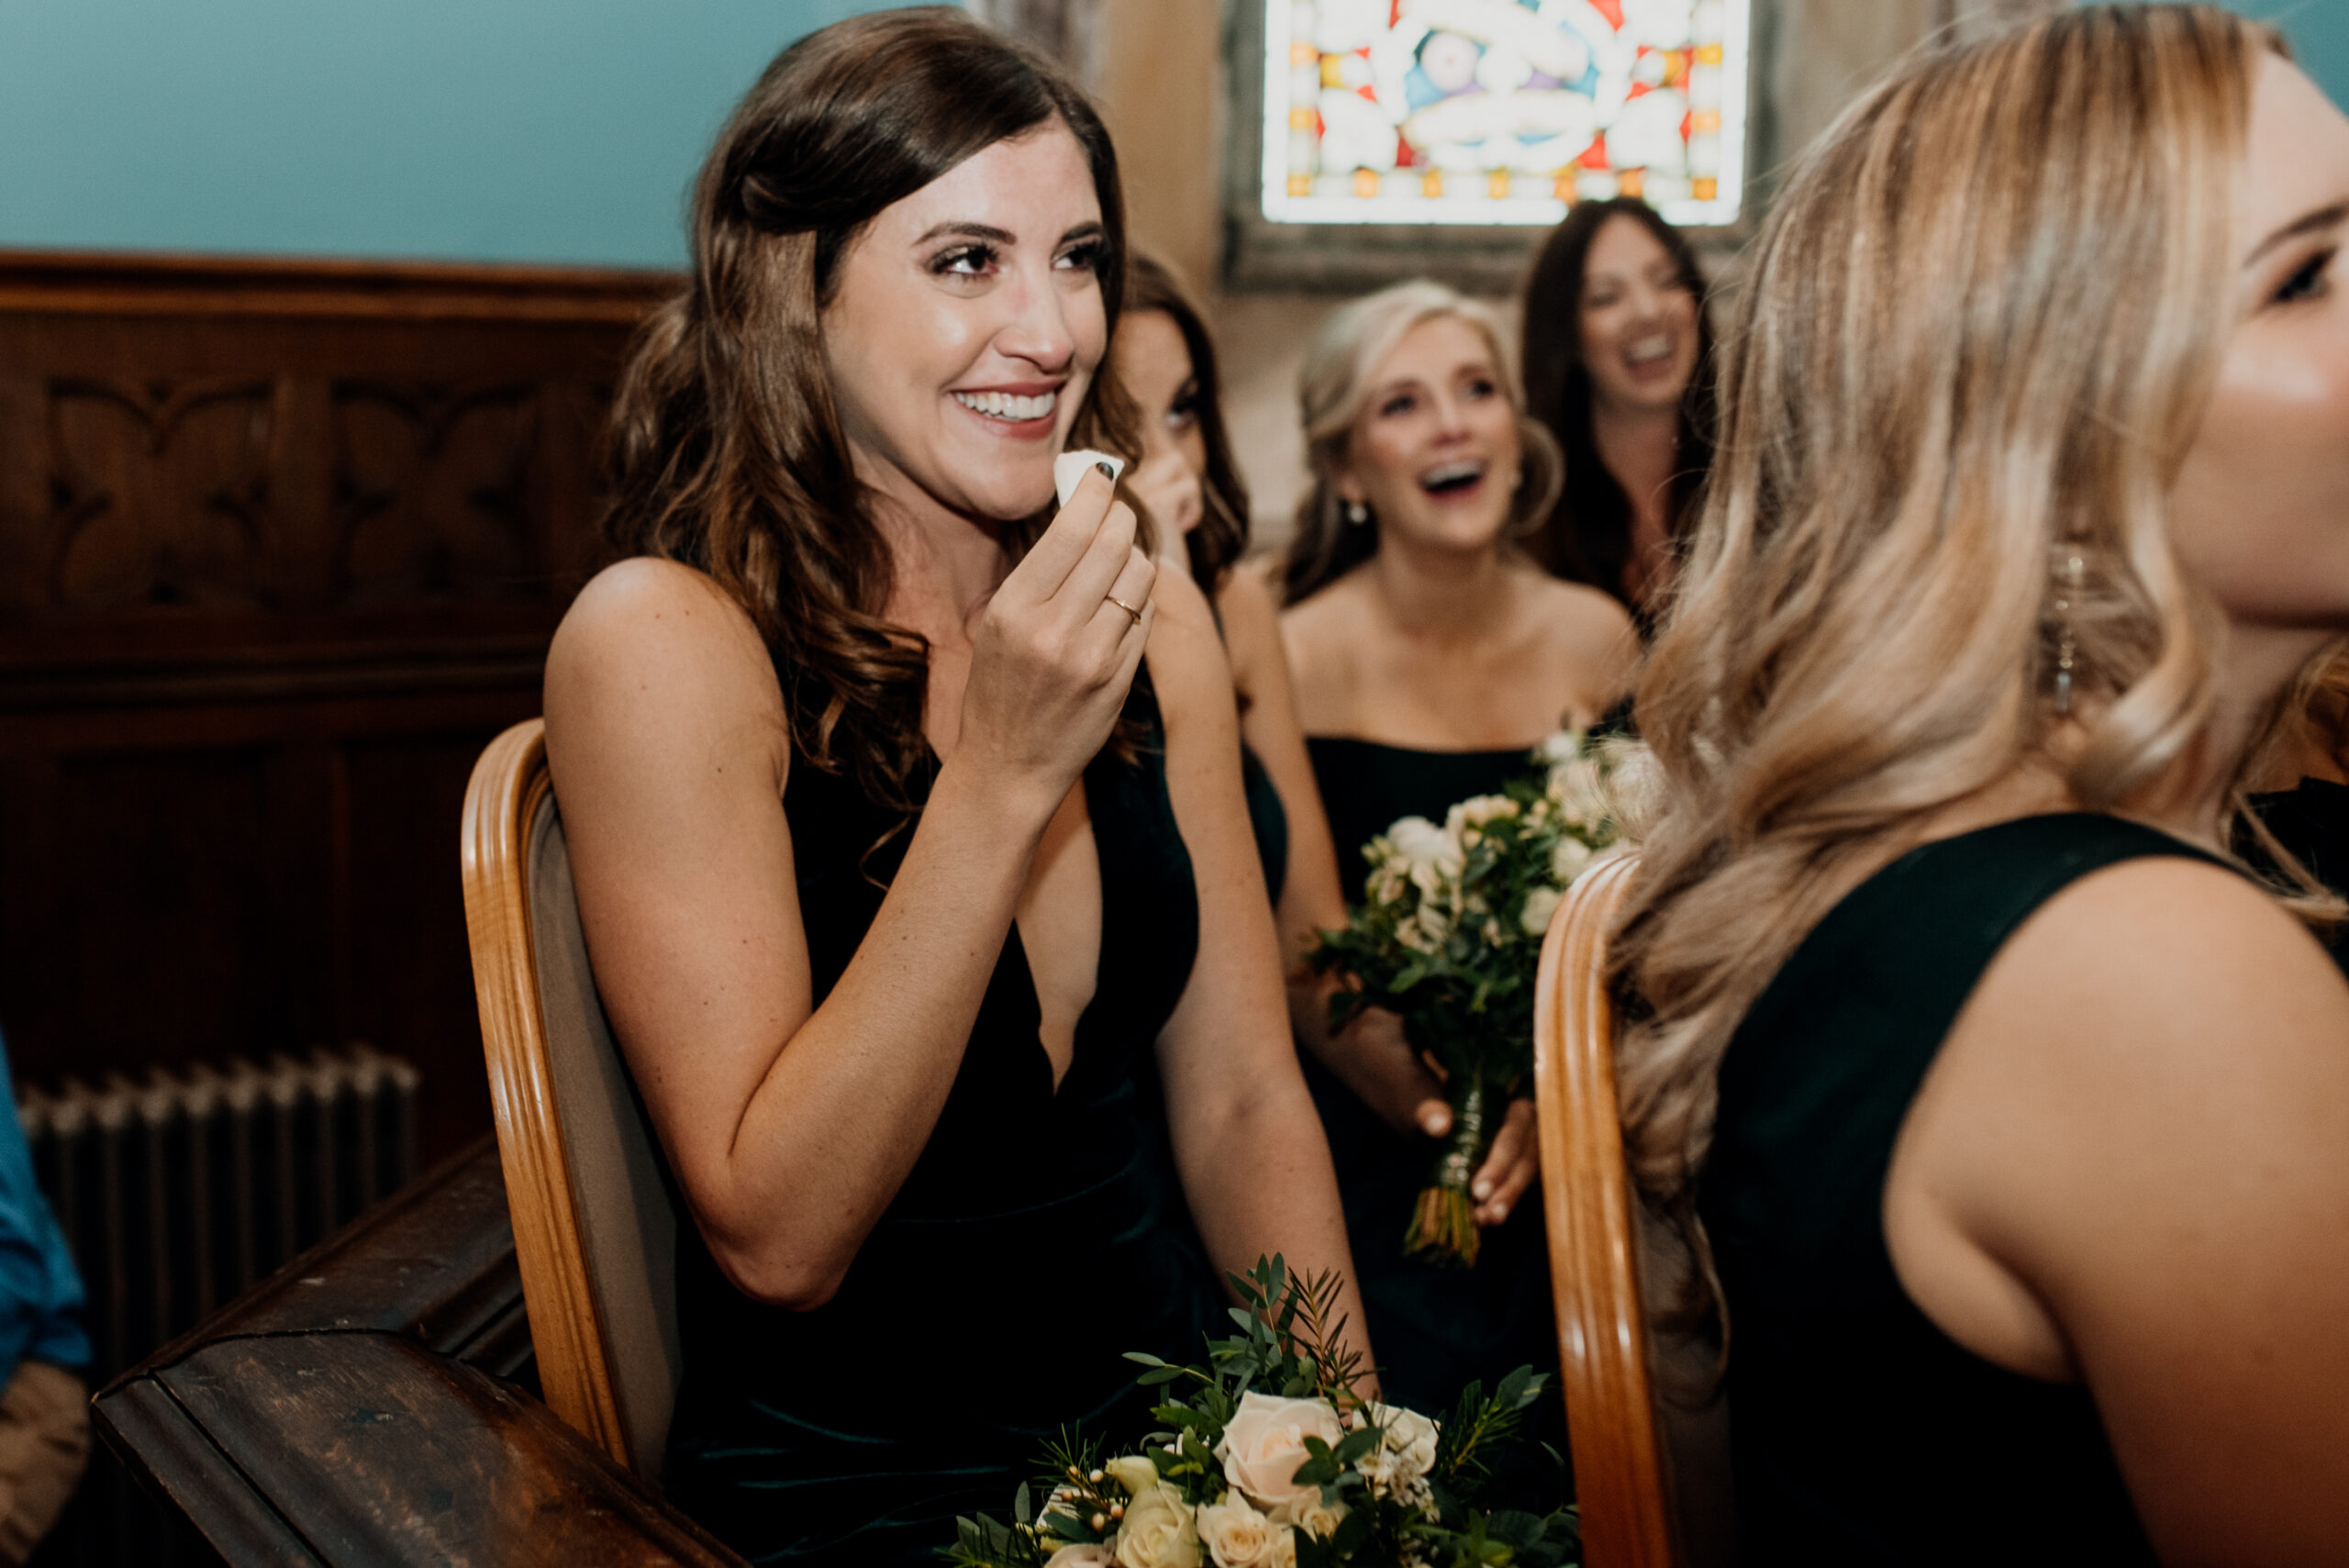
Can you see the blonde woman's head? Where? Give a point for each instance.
(1414, 428)
(1976, 348)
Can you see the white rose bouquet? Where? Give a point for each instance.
(1449, 933)
(1271, 1459)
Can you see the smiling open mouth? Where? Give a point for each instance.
(1648, 351)
(1008, 407)
(1451, 478)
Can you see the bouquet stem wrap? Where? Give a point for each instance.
(1444, 1227)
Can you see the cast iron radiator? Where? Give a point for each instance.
(178, 1189)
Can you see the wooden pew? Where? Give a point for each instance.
(372, 1405)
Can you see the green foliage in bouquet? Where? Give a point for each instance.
(1449, 935)
(1270, 1459)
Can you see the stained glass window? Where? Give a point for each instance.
(1502, 111)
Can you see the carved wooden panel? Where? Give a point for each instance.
(159, 493)
(280, 547)
(432, 490)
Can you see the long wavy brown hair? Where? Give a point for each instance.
(1973, 346)
(1587, 535)
(1221, 536)
(726, 451)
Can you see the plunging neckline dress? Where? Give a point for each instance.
(1040, 1235)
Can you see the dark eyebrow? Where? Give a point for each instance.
(970, 232)
(1083, 231)
(2323, 218)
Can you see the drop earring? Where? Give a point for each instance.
(1357, 514)
(2068, 578)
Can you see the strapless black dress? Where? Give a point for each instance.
(1434, 1329)
(1040, 1235)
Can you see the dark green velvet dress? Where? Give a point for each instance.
(1040, 1235)
(1434, 1329)
(1861, 1432)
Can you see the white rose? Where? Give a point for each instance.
(1540, 904)
(1426, 932)
(1264, 1442)
(1409, 1437)
(1236, 1535)
(1159, 1529)
(1309, 1513)
(1562, 747)
(1084, 1554)
(1431, 856)
(1486, 809)
(1568, 859)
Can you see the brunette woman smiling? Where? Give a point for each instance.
(1619, 367)
(1429, 656)
(906, 817)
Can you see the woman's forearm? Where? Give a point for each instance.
(1256, 1171)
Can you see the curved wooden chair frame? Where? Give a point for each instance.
(1594, 1251)
(593, 1231)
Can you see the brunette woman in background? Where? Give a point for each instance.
(1166, 359)
(906, 818)
(1619, 367)
(1431, 654)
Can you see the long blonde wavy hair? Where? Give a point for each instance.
(1975, 340)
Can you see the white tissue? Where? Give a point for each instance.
(1069, 467)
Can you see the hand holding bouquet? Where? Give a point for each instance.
(1449, 934)
(1270, 1459)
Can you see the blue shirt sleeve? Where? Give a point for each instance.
(41, 1291)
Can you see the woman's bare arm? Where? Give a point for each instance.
(790, 1127)
(2129, 1165)
(1253, 1161)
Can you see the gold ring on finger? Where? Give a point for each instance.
(1125, 607)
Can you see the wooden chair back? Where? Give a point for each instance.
(1594, 1253)
(595, 1224)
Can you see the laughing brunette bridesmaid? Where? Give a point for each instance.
(908, 820)
(1619, 367)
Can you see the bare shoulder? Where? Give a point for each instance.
(2169, 945)
(1187, 663)
(2149, 1081)
(652, 653)
(1319, 635)
(1251, 628)
(2130, 1164)
(1582, 622)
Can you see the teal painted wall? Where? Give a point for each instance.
(2320, 33)
(520, 130)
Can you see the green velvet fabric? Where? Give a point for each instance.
(1861, 1432)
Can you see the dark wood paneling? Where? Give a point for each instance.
(280, 547)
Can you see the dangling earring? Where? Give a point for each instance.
(1357, 514)
(2069, 575)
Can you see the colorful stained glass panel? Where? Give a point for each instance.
(1502, 111)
